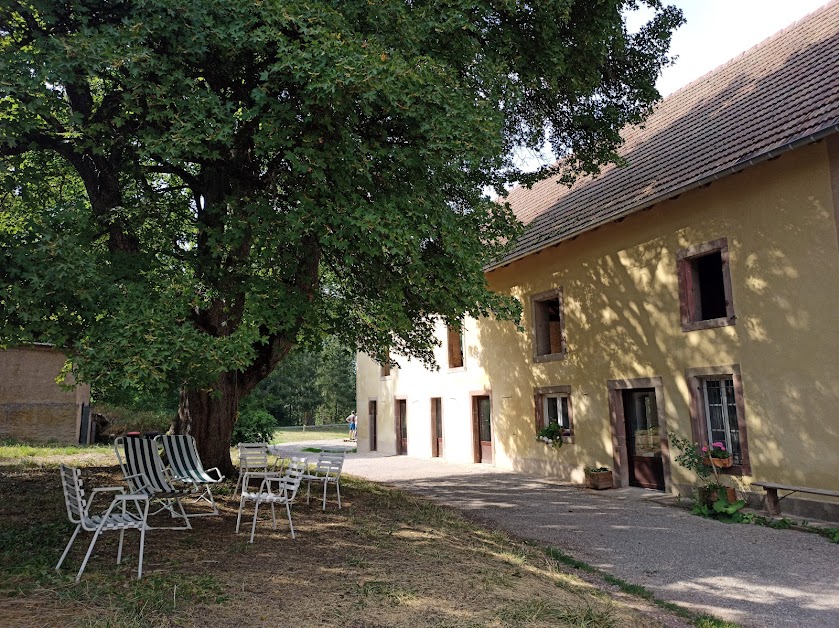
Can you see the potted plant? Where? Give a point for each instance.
(717, 456)
(598, 478)
(551, 435)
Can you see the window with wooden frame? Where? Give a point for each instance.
(553, 405)
(454, 344)
(386, 366)
(718, 412)
(548, 326)
(705, 286)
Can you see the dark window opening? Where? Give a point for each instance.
(548, 326)
(708, 281)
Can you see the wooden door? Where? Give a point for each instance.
(483, 428)
(371, 416)
(436, 427)
(643, 440)
(401, 427)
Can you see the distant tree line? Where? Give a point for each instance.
(310, 387)
(313, 386)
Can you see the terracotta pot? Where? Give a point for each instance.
(708, 497)
(719, 463)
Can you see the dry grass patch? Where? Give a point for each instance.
(386, 559)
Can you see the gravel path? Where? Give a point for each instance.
(748, 574)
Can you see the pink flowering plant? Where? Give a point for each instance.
(716, 450)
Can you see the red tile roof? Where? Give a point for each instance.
(781, 94)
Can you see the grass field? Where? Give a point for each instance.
(316, 432)
(386, 559)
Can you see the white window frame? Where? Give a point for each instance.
(563, 417)
(725, 404)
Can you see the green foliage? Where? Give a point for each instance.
(551, 435)
(312, 386)
(254, 426)
(720, 508)
(691, 457)
(590, 470)
(190, 189)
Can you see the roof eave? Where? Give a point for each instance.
(692, 185)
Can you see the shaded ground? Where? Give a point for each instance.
(386, 559)
(753, 575)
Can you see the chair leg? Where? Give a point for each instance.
(142, 542)
(290, 525)
(238, 482)
(69, 545)
(89, 551)
(325, 484)
(273, 515)
(308, 491)
(239, 518)
(253, 527)
(338, 490)
(119, 550)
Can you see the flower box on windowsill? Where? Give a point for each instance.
(599, 480)
(720, 463)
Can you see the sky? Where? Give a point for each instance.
(716, 31)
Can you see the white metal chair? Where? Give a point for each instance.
(143, 470)
(253, 459)
(274, 489)
(185, 466)
(117, 517)
(327, 471)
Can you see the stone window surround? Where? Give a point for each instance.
(539, 395)
(698, 420)
(544, 296)
(683, 258)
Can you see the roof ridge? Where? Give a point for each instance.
(763, 42)
(774, 97)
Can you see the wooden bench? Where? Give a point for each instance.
(773, 505)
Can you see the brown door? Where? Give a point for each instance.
(436, 427)
(643, 440)
(483, 429)
(401, 427)
(371, 413)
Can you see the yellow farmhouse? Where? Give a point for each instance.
(693, 291)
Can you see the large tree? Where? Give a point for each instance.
(190, 188)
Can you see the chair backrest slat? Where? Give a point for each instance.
(142, 457)
(253, 456)
(330, 464)
(71, 482)
(183, 458)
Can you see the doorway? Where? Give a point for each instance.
(643, 439)
(401, 427)
(436, 427)
(482, 426)
(372, 410)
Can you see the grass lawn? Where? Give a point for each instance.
(386, 559)
(317, 432)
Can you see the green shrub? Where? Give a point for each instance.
(254, 426)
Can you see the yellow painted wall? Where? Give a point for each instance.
(621, 309)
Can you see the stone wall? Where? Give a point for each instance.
(32, 406)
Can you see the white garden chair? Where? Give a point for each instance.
(253, 459)
(274, 489)
(327, 471)
(118, 516)
(185, 466)
(143, 470)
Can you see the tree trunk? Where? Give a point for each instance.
(209, 415)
